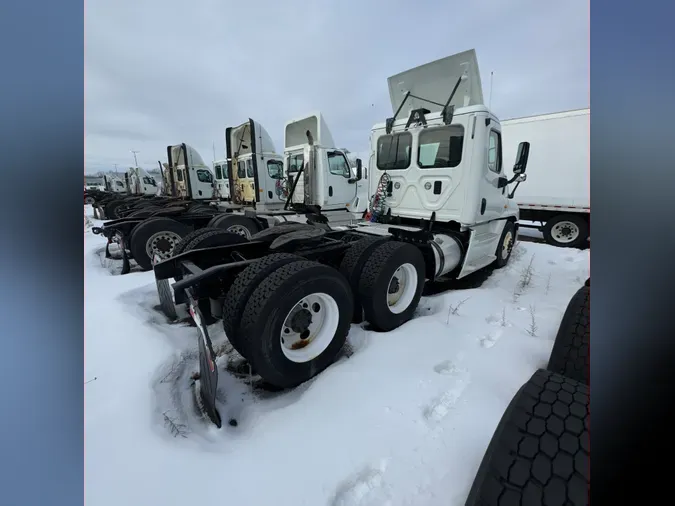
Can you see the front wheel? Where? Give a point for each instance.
(505, 246)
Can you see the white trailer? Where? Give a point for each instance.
(557, 193)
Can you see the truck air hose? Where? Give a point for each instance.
(378, 200)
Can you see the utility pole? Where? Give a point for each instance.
(115, 168)
(135, 160)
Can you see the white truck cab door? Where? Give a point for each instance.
(338, 190)
(201, 181)
(491, 198)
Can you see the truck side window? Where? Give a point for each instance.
(275, 169)
(495, 152)
(241, 169)
(204, 176)
(249, 168)
(393, 151)
(219, 171)
(295, 163)
(440, 148)
(338, 165)
(179, 174)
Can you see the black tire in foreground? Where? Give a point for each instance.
(539, 453)
(180, 247)
(391, 284)
(571, 350)
(505, 245)
(566, 231)
(166, 301)
(160, 234)
(352, 265)
(296, 322)
(241, 290)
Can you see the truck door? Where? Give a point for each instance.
(492, 199)
(201, 181)
(338, 190)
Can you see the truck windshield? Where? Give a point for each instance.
(393, 151)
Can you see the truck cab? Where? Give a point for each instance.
(187, 174)
(139, 182)
(253, 164)
(319, 174)
(439, 161)
(222, 180)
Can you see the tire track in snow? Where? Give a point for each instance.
(442, 405)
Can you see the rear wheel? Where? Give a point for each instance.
(391, 284)
(296, 322)
(352, 265)
(240, 291)
(242, 225)
(158, 236)
(566, 231)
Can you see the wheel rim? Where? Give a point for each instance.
(507, 245)
(162, 244)
(309, 327)
(89, 200)
(240, 230)
(565, 232)
(401, 289)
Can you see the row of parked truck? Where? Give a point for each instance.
(304, 246)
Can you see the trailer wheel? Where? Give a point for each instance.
(352, 265)
(539, 453)
(566, 231)
(505, 246)
(241, 289)
(570, 353)
(242, 225)
(89, 200)
(157, 236)
(391, 284)
(296, 322)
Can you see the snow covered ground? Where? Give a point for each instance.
(403, 418)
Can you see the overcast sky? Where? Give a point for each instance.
(160, 72)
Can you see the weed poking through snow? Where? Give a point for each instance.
(525, 280)
(503, 320)
(454, 310)
(177, 429)
(548, 283)
(532, 330)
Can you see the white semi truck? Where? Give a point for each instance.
(442, 207)
(557, 193)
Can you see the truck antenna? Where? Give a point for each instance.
(135, 160)
(491, 80)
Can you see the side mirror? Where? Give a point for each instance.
(359, 169)
(521, 158)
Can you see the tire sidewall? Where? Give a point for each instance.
(508, 227)
(377, 310)
(144, 230)
(579, 221)
(269, 325)
(229, 220)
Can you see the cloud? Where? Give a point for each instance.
(164, 72)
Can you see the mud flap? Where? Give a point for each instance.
(107, 249)
(126, 266)
(208, 372)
